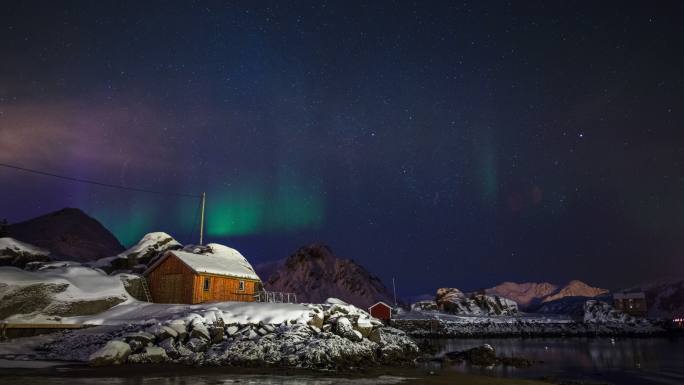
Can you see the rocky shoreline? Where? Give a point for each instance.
(521, 327)
(337, 336)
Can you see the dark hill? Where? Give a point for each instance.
(314, 273)
(68, 234)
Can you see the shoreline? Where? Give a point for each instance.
(389, 374)
(493, 327)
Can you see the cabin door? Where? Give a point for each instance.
(171, 288)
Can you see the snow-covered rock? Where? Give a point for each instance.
(19, 254)
(344, 328)
(601, 312)
(113, 353)
(453, 301)
(27, 296)
(150, 355)
(425, 305)
(150, 247)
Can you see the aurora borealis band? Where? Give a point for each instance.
(444, 144)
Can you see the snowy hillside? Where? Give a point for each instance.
(314, 273)
(19, 254)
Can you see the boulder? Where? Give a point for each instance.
(180, 328)
(162, 332)
(151, 355)
(343, 328)
(199, 330)
(252, 335)
(363, 326)
(197, 344)
(216, 334)
(481, 355)
(269, 328)
(156, 354)
(167, 332)
(169, 346)
(136, 346)
(143, 337)
(113, 353)
(231, 330)
(316, 320)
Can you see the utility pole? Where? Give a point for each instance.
(204, 199)
(394, 288)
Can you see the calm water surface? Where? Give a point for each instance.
(623, 361)
(620, 361)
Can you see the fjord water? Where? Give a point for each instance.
(623, 361)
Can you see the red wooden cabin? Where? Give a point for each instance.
(213, 273)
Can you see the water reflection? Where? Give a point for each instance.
(215, 379)
(580, 357)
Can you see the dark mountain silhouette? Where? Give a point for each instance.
(68, 234)
(314, 273)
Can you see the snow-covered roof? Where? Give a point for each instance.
(218, 259)
(379, 303)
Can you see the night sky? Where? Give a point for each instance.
(447, 144)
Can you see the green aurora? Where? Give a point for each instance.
(240, 212)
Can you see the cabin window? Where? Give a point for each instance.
(242, 286)
(207, 283)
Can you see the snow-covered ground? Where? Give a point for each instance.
(228, 312)
(12, 244)
(16, 253)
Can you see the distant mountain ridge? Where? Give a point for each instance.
(529, 295)
(68, 233)
(314, 273)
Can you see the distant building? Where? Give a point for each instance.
(631, 302)
(678, 321)
(211, 273)
(381, 311)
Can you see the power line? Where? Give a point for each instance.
(45, 173)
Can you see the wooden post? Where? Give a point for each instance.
(204, 199)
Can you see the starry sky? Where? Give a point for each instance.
(443, 143)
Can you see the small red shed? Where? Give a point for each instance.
(381, 311)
